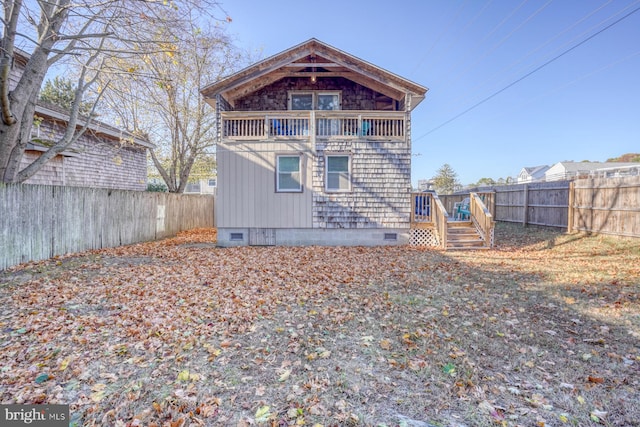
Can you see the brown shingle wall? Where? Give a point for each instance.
(274, 96)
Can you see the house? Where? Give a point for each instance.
(103, 157)
(532, 174)
(313, 148)
(202, 186)
(568, 170)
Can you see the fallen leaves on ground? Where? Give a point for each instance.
(543, 330)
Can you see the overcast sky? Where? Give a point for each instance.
(512, 83)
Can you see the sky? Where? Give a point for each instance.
(512, 83)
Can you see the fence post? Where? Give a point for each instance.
(570, 210)
(526, 205)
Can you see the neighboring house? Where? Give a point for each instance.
(425, 184)
(313, 147)
(104, 157)
(202, 186)
(532, 174)
(568, 170)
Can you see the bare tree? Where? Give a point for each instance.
(172, 113)
(85, 34)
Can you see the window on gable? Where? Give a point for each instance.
(302, 101)
(338, 173)
(288, 176)
(314, 100)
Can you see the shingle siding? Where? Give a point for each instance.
(380, 186)
(94, 161)
(274, 96)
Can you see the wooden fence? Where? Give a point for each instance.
(606, 206)
(40, 221)
(597, 205)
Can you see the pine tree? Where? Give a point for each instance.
(446, 180)
(61, 92)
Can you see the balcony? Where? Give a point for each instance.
(313, 125)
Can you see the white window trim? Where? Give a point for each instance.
(314, 94)
(326, 173)
(300, 169)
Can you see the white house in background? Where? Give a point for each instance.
(202, 186)
(568, 170)
(532, 174)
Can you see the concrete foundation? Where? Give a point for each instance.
(229, 237)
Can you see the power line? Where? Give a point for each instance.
(477, 104)
(513, 64)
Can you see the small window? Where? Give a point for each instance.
(236, 237)
(288, 176)
(338, 174)
(213, 182)
(302, 101)
(391, 236)
(314, 100)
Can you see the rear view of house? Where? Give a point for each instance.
(313, 147)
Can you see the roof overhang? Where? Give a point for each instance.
(94, 126)
(313, 58)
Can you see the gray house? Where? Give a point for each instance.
(313, 147)
(103, 157)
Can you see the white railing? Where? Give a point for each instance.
(248, 125)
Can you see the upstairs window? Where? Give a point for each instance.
(288, 176)
(314, 100)
(338, 173)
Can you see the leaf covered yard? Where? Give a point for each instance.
(543, 331)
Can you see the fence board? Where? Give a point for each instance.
(607, 206)
(40, 221)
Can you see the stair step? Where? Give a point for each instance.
(462, 235)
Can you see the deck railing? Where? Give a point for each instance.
(248, 125)
(440, 219)
(482, 217)
(428, 209)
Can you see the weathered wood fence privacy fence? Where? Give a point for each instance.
(598, 205)
(40, 221)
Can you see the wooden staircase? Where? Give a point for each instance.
(463, 235)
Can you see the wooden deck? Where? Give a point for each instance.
(312, 125)
(432, 225)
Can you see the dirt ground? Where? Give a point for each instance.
(542, 331)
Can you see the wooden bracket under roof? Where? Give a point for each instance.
(314, 58)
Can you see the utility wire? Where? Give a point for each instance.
(497, 45)
(572, 82)
(477, 104)
(513, 64)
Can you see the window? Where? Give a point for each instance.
(338, 176)
(301, 101)
(212, 182)
(288, 176)
(314, 100)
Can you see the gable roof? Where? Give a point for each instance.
(313, 58)
(535, 171)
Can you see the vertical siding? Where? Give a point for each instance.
(246, 193)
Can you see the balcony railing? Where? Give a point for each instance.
(248, 125)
